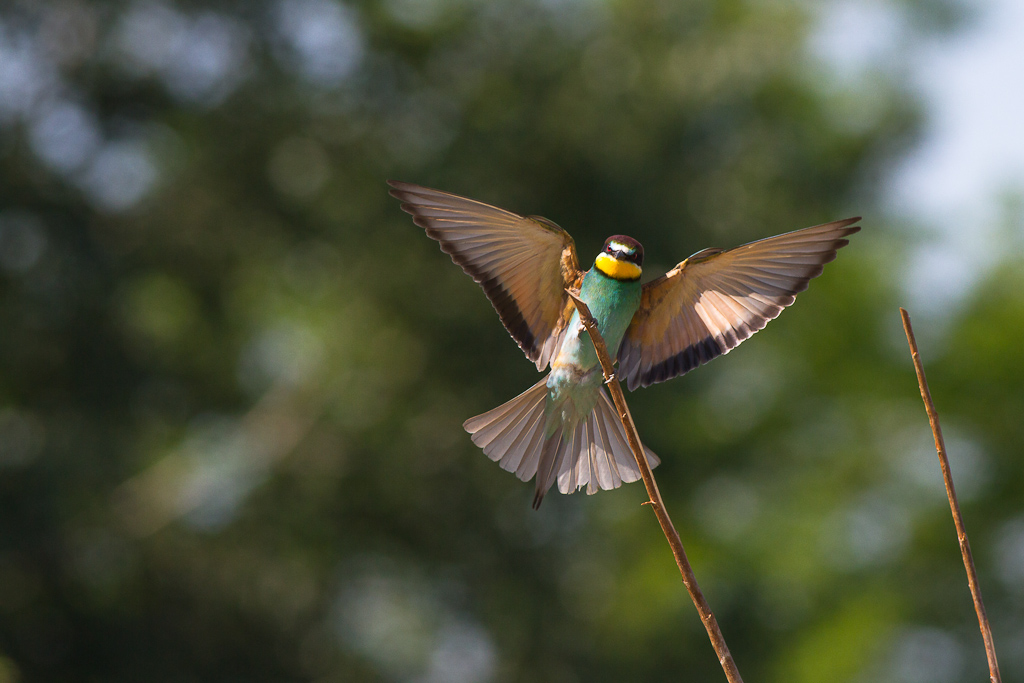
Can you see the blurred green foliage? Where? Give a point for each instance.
(233, 374)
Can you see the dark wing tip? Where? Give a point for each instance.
(407, 192)
(403, 192)
(841, 228)
(504, 304)
(402, 185)
(640, 374)
(399, 189)
(848, 227)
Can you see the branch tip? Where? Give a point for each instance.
(954, 505)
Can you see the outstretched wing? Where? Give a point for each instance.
(523, 264)
(712, 301)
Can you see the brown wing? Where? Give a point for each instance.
(712, 301)
(523, 264)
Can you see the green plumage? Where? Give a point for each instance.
(576, 372)
(574, 384)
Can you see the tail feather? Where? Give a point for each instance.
(603, 469)
(487, 426)
(506, 433)
(579, 468)
(508, 441)
(622, 462)
(526, 461)
(571, 466)
(552, 458)
(593, 453)
(601, 441)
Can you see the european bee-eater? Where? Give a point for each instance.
(565, 427)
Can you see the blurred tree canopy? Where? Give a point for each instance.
(233, 374)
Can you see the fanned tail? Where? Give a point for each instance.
(512, 433)
(593, 453)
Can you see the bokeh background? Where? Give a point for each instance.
(233, 373)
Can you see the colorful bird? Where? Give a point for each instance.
(564, 427)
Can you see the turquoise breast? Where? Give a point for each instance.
(575, 371)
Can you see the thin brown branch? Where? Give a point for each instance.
(954, 505)
(689, 580)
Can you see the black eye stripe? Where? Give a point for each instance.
(624, 248)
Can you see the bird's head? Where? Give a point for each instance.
(621, 258)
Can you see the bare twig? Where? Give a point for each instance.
(689, 580)
(954, 505)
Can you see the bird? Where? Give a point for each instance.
(565, 428)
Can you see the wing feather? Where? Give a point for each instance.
(523, 264)
(708, 304)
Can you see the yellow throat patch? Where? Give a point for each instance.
(616, 269)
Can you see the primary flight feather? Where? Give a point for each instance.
(564, 428)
